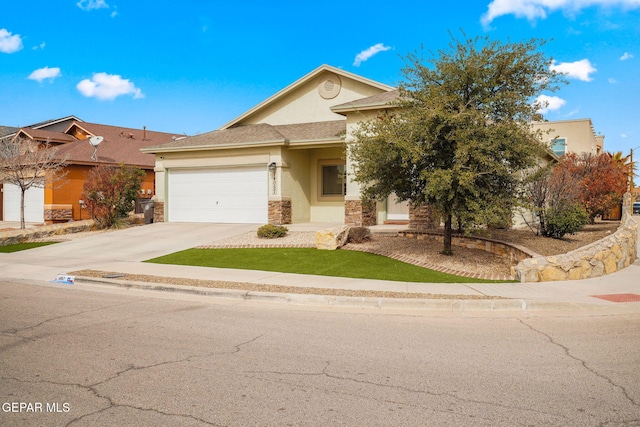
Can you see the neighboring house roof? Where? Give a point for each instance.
(45, 135)
(374, 102)
(51, 122)
(258, 135)
(7, 130)
(120, 145)
(323, 68)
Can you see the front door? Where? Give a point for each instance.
(396, 210)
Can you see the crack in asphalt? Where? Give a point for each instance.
(325, 373)
(15, 331)
(238, 346)
(584, 364)
(92, 388)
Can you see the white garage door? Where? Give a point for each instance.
(33, 203)
(227, 195)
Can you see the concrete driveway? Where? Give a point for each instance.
(133, 244)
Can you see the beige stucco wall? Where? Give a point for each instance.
(305, 104)
(296, 183)
(579, 135)
(353, 188)
(323, 211)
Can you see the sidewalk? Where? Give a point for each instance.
(43, 264)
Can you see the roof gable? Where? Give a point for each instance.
(44, 135)
(309, 99)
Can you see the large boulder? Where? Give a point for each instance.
(332, 238)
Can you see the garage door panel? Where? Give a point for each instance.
(231, 195)
(33, 203)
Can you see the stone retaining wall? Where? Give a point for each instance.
(605, 256)
(13, 236)
(515, 253)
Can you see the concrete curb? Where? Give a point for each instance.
(453, 305)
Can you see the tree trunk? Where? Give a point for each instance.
(448, 231)
(22, 225)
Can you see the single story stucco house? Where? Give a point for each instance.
(284, 160)
(281, 162)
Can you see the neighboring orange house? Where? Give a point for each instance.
(62, 201)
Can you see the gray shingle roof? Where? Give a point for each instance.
(261, 134)
(120, 145)
(375, 101)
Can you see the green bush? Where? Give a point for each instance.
(271, 231)
(566, 219)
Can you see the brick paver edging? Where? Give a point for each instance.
(432, 266)
(260, 246)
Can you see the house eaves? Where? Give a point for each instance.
(210, 147)
(315, 143)
(301, 82)
(375, 102)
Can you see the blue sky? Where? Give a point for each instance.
(191, 66)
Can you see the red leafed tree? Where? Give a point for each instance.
(602, 181)
(110, 191)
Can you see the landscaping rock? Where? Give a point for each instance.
(332, 238)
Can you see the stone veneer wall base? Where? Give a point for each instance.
(158, 212)
(359, 214)
(279, 212)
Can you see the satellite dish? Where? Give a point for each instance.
(95, 140)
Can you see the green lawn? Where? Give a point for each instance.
(23, 246)
(338, 263)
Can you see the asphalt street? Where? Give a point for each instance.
(109, 356)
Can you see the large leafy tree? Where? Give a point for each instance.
(109, 192)
(460, 133)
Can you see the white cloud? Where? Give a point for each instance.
(45, 73)
(9, 43)
(534, 9)
(88, 5)
(368, 53)
(623, 135)
(578, 70)
(626, 56)
(108, 86)
(549, 103)
(41, 46)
